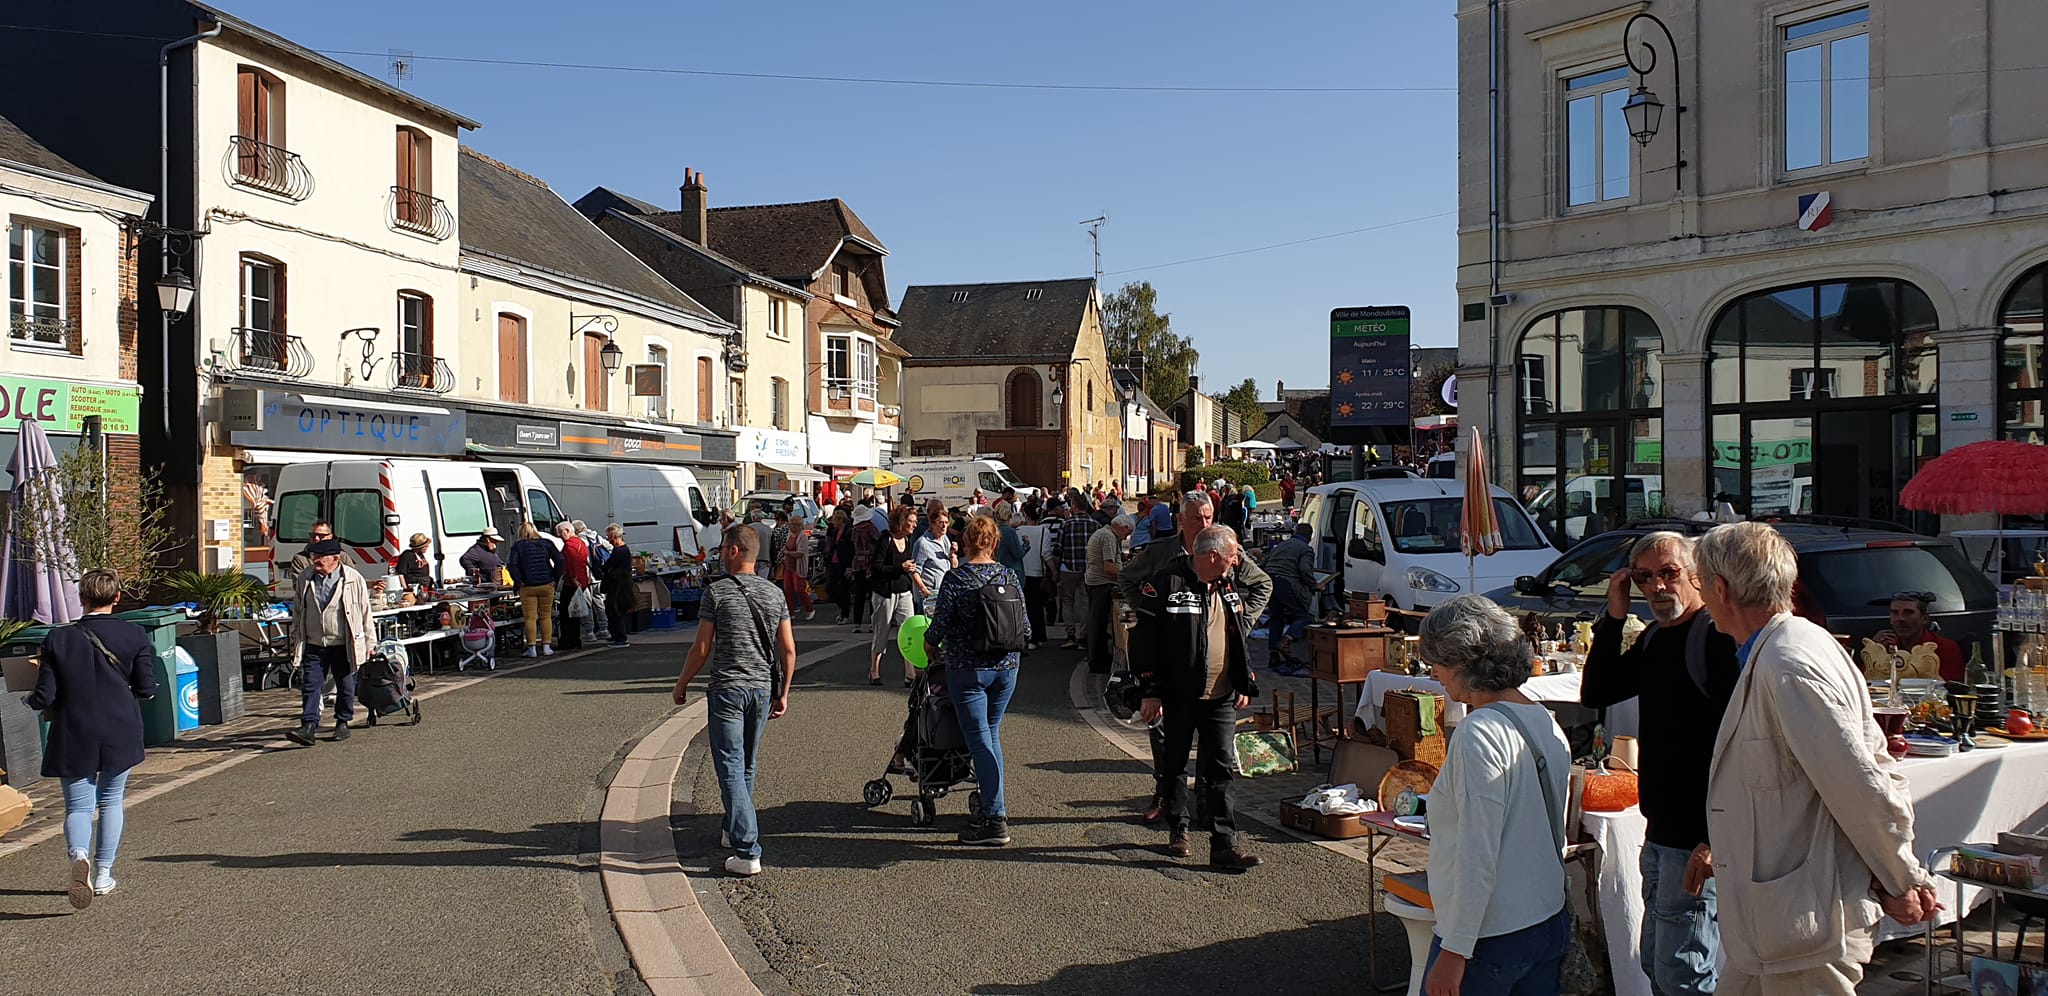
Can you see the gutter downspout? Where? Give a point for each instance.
(163, 194)
(1493, 230)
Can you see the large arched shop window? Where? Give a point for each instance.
(2023, 360)
(1824, 399)
(1591, 411)
(1021, 398)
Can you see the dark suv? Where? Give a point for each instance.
(1850, 571)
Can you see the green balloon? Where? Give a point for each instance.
(910, 640)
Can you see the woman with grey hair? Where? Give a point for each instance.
(1496, 813)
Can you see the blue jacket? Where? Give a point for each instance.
(95, 723)
(534, 562)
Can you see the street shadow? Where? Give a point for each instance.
(546, 845)
(836, 835)
(5, 915)
(1090, 766)
(1322, 957)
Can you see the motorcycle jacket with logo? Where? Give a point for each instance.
(1170, 650)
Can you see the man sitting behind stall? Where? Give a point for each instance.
(1911, 627)
(1684, 670)
(481, 559)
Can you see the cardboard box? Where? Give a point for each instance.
(651, 594)
(18, 674)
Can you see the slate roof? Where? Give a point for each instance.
(602, 199)
(677, 241)
(17, 147)
(510, 215)
(241, 26)
(997, 321)
(789, 242)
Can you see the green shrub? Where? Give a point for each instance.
(1238, 472)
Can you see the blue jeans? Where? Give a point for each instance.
(82, 796)
(738, 716)
(1284, 621)
(1681, 933)
(321, 662)
(1525, 962)
(980, 697)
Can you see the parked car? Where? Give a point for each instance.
(1850, 573)
(1399, 537)
(375, 504)
(770, 502)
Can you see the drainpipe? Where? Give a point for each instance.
(163, 195)
(1493, 230)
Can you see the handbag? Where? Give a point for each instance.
(775, 685)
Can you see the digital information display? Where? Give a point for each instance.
(1370, 374)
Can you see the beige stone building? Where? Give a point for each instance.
(1823, 265)
(1020, 369)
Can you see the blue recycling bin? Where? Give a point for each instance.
(187, 687)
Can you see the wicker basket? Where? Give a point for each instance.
(1403, 712)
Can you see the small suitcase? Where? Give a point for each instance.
(384, 688)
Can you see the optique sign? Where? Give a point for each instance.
(1370, 368)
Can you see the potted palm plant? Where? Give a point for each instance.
(216, 647)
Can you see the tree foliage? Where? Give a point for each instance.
(1244, 400)
(114, 516)
(1132, 322)
(1425, 392)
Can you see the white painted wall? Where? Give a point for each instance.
(37, 198)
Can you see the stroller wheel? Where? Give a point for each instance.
(877, 793)
(974, 803)
(922, 812)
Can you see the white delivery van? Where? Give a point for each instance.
(1400, 538)
(955, 479)
(645, 500)
(376, 506)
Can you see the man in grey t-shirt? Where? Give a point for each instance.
(742, 614)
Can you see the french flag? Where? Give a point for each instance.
(1815, 212)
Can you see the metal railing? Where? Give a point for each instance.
(847, 387)
(420, 213)
(41, 331)
(265, 167)
(262, 353)
(423, 372)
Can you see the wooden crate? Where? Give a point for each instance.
(1339, 654)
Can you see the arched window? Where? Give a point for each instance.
(1592, 427)
(2022, 367)
(1824, 398)
(1021, 398)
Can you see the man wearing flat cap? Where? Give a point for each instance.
(330, 635)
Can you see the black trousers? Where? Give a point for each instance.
(1101, 602)
(615, 607)
(569, 633)
(858, 585)
(1036, 599)
(1211, 728)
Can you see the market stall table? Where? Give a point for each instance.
(1623, 719)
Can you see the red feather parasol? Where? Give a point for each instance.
(2002, 476)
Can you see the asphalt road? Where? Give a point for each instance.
(1084, 899)
(452, 857)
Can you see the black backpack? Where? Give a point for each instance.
(1002, 626)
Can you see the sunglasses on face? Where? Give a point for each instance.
(1668, 575)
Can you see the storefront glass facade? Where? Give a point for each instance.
(1824, 399)
(2022, 368)
(1591, 420)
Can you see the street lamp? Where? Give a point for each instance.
(174, 293)
(611, 356)
(1643, 112)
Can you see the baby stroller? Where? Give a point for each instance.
(385, 685)
(934, 756)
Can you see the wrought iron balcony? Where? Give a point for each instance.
(420, 213)
(260, 353)
(52, 332)
(261, 166)
(422, 372)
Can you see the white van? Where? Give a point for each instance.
(645, 500)
(1400, 538)
(955, 479)
(376, 505)
(1590, 505)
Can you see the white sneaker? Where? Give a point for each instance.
(103, 883)
(546, 651)
(532, 652)
(80, 886)
(810, 614)
(737, 865)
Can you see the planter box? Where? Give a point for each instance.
(219, 657)
(21, 741)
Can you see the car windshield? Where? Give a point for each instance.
(1432, 525)
(1861, 582)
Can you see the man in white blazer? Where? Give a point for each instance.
(1810, 819)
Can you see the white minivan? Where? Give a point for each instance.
(1400, 538)
(376, 506)
(645, 500)
(954, 480)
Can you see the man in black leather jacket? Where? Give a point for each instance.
(1190, 659)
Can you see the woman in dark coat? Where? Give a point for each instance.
(93, 671)
(617, 585)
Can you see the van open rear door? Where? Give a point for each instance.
(364, 510)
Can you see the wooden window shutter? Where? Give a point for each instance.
(593, 375)
(408, 176)
(511, 358)
(704, 390)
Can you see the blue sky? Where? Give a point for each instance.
(983, 184)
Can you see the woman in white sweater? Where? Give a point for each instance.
(1496, 874)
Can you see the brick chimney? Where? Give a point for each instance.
(1194, 383)
(694, 206)
(1279, 390)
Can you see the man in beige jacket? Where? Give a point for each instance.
(1811, 821)
(331, 635)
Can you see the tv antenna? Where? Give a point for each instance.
(1095, 236)
(399, 63)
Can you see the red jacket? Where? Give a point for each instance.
(576, 561)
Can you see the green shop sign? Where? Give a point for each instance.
(1763, 452)
(62, 405)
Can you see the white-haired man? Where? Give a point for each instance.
(1811, 820)
(1682, 670)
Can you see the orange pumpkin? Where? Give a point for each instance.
(1608, 793)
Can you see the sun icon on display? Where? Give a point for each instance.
(1344, 377)
(1344, 410)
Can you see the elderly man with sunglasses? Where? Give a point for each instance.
(1683, 671)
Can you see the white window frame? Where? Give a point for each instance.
(1531, 373)
(417, 330)
(1824, 41)
(867, 372)
(778, 402)
(251, 262)
(735, 400)
(657, 355)
(21, 301)
(1607, 80)
(860, 358)
(1813, 384)
(777, 329)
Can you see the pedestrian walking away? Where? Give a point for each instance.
(980, 674)
(747, 641)
(330, 636)
(892, 573)
(575, 578)
(1105, 562)
(1682, 671)
(1189, 656)
(1805, 869)
(92, 675)
(1496, 814)
(536, 564)
(617, 585)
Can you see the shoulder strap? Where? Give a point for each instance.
(760, 624)
(1553, 810)
(105, 654)
(1696, 650)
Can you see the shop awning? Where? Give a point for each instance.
(795, 473)
(289, 456)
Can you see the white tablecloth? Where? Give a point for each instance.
(1622, 719)
(1966, 798)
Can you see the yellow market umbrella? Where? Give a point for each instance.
(876, 478)
(1480, 536)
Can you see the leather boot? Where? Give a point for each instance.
(302, 735)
